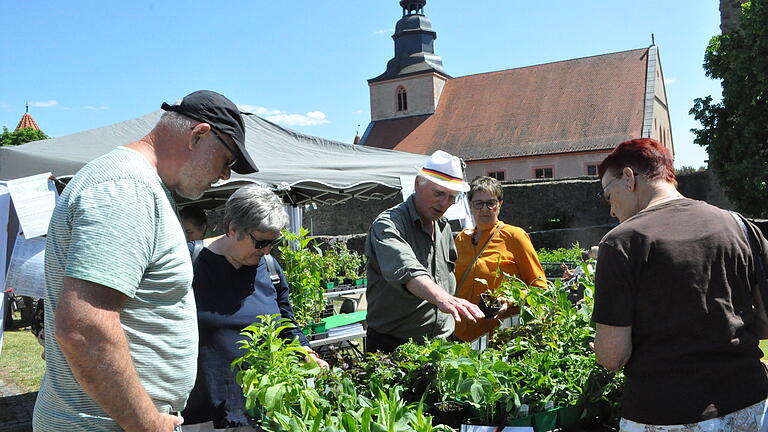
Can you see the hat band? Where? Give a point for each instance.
(442, 176)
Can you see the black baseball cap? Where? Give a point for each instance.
(221, 114)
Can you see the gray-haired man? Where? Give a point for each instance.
(411, 256)
(121, 331)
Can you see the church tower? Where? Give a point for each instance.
(414, 78)
(27, 121)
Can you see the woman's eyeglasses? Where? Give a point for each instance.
(601, 195)
(261, 244)
(490, 204)
(607, 198)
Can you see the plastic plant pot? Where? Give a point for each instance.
(316, 336)
(317, 327)
(489, 305)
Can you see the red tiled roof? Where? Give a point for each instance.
(27, 122)
(584, 104)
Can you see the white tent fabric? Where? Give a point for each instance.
(301, 168)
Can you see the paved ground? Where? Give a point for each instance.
(15, 408)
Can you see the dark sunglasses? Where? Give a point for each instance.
(231, 163)
(490, 204)
(261, 244)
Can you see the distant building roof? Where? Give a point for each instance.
(584, 104)
(27, 122)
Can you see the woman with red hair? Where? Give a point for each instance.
(673, 303)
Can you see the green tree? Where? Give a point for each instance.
(21, 136)
(734, 130)
(687, 169)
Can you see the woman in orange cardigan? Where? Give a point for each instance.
(490, 240)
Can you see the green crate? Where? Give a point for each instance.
(545, 421)
(568, 416)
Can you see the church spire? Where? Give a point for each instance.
(414, 44)
(27, 121)
(413, 6)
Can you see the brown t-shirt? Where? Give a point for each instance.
(680, 274)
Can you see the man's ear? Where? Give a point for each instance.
(197, 132)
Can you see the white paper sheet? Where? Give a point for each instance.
(26, 271)
(34, 198)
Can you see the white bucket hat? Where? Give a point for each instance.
(445, 170)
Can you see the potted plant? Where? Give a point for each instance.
(302, 264)
(272, 372)
(330, 269)
(489, 304)
(349, 263)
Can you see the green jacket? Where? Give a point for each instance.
(399, 250)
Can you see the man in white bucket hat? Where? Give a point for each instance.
(411, 256)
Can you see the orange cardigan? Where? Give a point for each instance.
(517, 258)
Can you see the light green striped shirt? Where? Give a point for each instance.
(116, 225)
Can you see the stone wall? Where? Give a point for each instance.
(555, 213)
(534, 205)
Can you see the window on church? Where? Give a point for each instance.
(592, 169)
(543, 172)
(498, 175)
(402, 99)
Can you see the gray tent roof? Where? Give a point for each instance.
(301, 168)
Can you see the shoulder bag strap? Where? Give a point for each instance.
(469, 269)
(273, 276)
(196, 248)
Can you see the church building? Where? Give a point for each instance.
(551, 120)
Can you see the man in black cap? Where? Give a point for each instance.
(121, 330)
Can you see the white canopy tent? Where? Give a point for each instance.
(300, 168)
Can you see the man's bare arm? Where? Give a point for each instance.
(89, 333)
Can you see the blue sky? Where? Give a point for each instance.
(304, 63)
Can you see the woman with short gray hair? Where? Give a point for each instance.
(232, 287)
(255, 208)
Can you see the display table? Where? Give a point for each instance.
(339, 339)
(336, 323)
(342, 293)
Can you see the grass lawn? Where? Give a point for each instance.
(20, 362)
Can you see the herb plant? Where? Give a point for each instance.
(302, 263)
